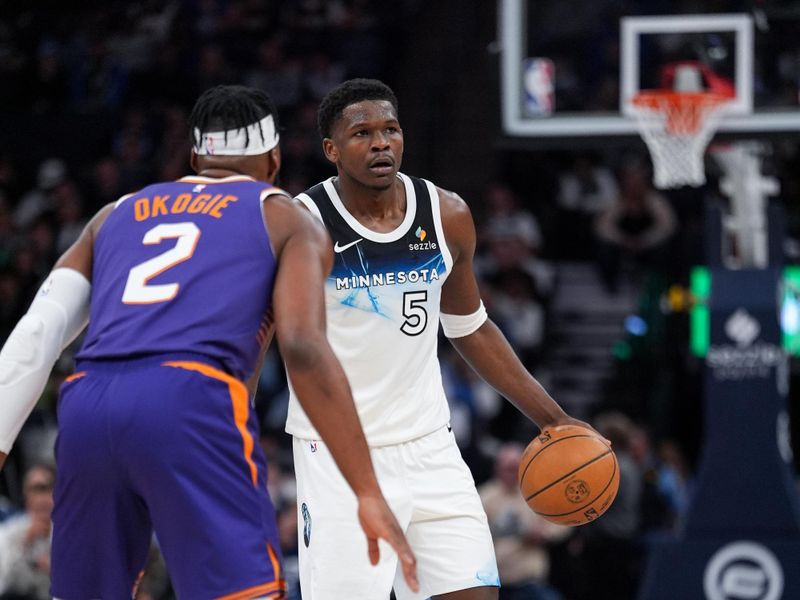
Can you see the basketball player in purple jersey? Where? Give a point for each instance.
(180, 282)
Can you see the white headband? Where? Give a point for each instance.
(257, 138)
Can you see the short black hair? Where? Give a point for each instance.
(347, 93)
(226, 107)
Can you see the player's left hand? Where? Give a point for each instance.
(378, 522)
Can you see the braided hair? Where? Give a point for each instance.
(229, 107)
(347, 93)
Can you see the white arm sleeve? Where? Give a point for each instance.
(456, 326)
(58, 313)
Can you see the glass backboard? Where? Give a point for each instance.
(569, 68)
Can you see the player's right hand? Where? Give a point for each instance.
(567, 420)
(378, 522)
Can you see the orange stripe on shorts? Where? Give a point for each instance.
(74, 376)
(239, 400)
(274, 590)
(276, 564)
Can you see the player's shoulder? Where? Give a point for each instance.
(459, 227)
(273, 192)
(311, 204)
(453, 207)
(287, 220)
(451, 199)
(100, 217)
(450, 203)
(292, 216)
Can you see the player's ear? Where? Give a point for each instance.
(274, 163)
(330, 150)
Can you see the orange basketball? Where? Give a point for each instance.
(568, 475)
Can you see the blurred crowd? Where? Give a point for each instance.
(101, 93)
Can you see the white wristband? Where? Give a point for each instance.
(56, 316)
(456, 326)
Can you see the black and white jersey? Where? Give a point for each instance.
(382, 300)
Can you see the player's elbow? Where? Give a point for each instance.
(301, 351)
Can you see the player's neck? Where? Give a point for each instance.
(220, 173)
(374, 208)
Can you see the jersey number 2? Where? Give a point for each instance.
(137, 290)
(414, 312)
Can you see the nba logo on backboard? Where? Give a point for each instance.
(539, 83)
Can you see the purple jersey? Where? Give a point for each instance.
(185, 266)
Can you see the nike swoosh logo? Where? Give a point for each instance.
(337, 248)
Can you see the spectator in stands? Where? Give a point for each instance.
(42, 238)
(664, 485)
(12, 301)
(38, 200)
(519, 312)
(8, 232)
(321, 74)
(98, 80)
(504, 215)
(47, 87)
(26, 266)
(25, 540)
(584, 191)
(69, 215)
(170, 162)
(306, 17)
(512, 239)
(213, 67)
(520, 535)
(674, 481)
(105, 183)
(9, 177)
(133, 147)
(634, 230)
(277, 73)
(303, 161)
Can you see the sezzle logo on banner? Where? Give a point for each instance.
(746, 358)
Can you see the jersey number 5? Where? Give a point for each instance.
(137, 290)
(414, 312)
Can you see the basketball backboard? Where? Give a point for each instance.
(570, 68)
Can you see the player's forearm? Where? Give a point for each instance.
(56, 316)
(324, 393)
(489, 354)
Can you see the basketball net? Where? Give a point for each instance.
(677, 125)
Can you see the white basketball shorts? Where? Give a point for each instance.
(432, 493)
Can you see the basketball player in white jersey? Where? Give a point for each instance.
(403, 264)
